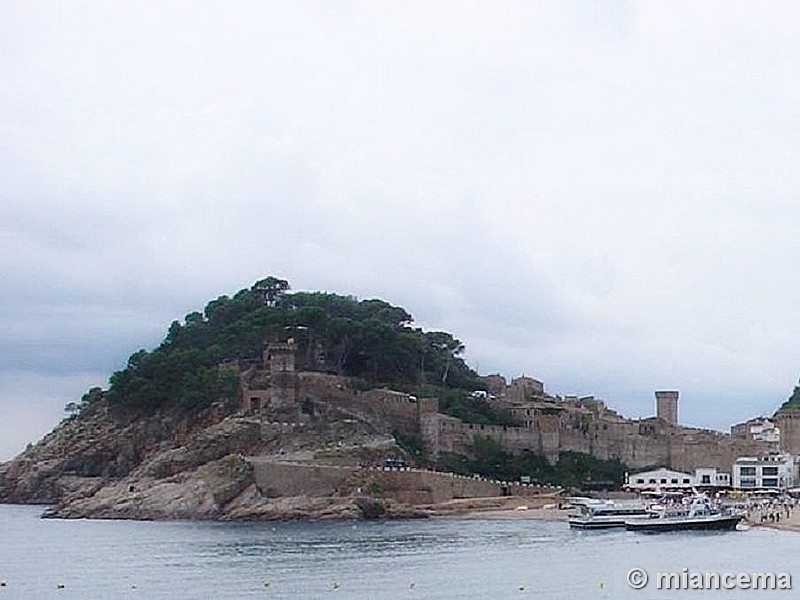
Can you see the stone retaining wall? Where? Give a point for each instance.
(410, 486)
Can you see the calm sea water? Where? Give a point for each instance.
(436, 558)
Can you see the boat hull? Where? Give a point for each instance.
(721, 523)
(596, 523)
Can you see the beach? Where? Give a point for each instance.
(546, 509)
(541, 508)
(792, 523)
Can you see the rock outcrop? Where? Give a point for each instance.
(111, 464)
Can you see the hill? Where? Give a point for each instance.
(175, 433)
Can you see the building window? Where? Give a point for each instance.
(769, 471)
(705, 479)
(769, 482)
(748, 483)
(673, 481)
(652, 481)
(747, 471)
(664, 480)
(640, 481)
(686, 481)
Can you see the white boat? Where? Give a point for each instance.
(699, 514)
(603, 514)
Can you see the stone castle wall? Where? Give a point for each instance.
(378, 407)
(548, 426)
(638, 444)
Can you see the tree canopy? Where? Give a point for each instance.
(370, 339)
(794, 400)
(573, 469)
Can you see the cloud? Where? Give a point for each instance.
(32, 403)
(600, 195)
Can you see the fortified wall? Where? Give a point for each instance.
(276, 388)
(547, 425)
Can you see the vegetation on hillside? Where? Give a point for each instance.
(793, 401)
(573, 469)
(460, 404)
(369, 339)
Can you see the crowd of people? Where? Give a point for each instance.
(764, 511)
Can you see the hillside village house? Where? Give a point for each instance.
(759, 428)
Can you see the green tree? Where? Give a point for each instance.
(270, 289)
(794, 400)
(368, 339)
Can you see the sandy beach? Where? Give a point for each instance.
(546, 509)
(537, 514)
(543, 508)
(790, 524)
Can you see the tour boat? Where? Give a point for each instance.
(603, 514)
(698, 515)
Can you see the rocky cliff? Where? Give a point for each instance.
(109, 463)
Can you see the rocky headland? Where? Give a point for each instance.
(266, 405)
(224, 463)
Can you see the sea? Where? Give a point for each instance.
(406, 559)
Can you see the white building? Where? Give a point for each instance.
(662, 478)
(766, 431)
(759, 428)
(776, 471)
(710, 477)
(667, 479)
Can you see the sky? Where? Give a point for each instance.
(603, 195)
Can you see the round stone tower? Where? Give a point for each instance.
(788, 422)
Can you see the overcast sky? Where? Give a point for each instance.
(602, 194)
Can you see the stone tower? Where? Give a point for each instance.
(667, 406)
(279, 359)
(788, 422)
